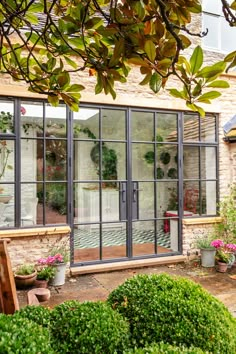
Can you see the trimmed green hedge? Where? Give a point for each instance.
(165, 348)
(22, 336)
(88, 328)
(38, 314)
(176, 311)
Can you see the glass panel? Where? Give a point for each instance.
(212, 6)
(56, 158)
(142, 161)
(191, 198)
(87, 206)
(55, 124)
(143, 238)
(167, 162)
(86, 165)
(227, 33)
(40, 196)
(29, 204)
(7, 205)
(142, 126)
(86, 123)
(110, 204)
(86, 242)
(145, 199)
(113, 161)
(113, 241)
(208, 197)
(208, 129)
(6, 117)
(174, 224)
(208, 162)
(7, 160)
(191, 162)
(31, 160)
(163, 236)
(31, 119)
(166, 127)
(56, 203)
(113, 124)
(191, 128)
(167, 199)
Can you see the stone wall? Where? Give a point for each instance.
(27, 246)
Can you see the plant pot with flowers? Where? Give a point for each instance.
(25, 276)
(224, 254)
(44, 274)
(57, 260)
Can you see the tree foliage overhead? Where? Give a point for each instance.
(43, 42)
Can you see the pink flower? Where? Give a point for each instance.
(22, 110)
(42, 261)
(217, 243)
(231, 246)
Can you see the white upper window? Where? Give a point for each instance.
(221, 36)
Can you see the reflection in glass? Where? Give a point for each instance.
(142, 126)
(56, 203)
(191, 162)
(31, 160)
(86, 123)
(6, 117)
(87, 205)
(191, 127)
(55, 125)
(86, 243)
(113, 162)
(208, 162)
(7, 159)
(31, 119)
(56, 159)
(145, 199)
(191, 198)
(208, 129)
(143, 161)
(208, 196)
(167, 162)
(143, 238)
(166, 127)
(163, 236)
(113, 124)
(29, 205)
(166, 199)
(110, 204)
(7, 205)
(113, 241)
(86, 164)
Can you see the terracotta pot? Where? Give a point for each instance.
(40, 283)
(25, 281)
(222, 267)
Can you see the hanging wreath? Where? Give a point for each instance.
(149, 156)
(165, 157)
(172, 173)
(160, 173)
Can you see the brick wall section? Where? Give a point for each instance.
(27, 246)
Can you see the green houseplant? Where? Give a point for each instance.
(207, 252)
(25, 276)
(44, 274)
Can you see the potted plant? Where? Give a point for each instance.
(25, 276)
(224, 254)
(44, 274)
(207, 252)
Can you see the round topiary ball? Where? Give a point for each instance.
(19, 335)
(176, 311)
(89, 327)
(38, 314)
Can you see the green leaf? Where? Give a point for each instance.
(118, 51)
(176, 93)
(196, 60)
(209, 96)
(150, 50)
(211, 71)
(71, 62)
(196, 108)
(155, 82)
(53, 100)
(219, 83)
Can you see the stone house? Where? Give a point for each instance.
(127, 182)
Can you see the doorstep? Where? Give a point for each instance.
(97, 268)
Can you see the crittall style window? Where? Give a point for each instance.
(122, 178)
(220, 35)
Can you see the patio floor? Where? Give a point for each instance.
(95, 287)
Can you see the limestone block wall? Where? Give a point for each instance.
(27, 246)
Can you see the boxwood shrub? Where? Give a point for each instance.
(176, 311)
(22, 336)
(165, 348)
(38, 314)
(89, 327)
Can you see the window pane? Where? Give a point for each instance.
(113, 161)
(6, 117)
(212, 6)
(211, 22)
(143, 161)
(56, 160)
(166, 127)
(227, 34)
(208, 198)
(167, 162)
(167, 199)
(208, 163)
(113, 124)
(191, 162)
(55, 123)
(142, 126)
(191, 128)
(7, 160)
(86, 123)
(29, 204)
(30, 158)
(7, 205)
(87, 202)
(144, 196)
(143, 238)
(208, 129)
(56, 203)
(191, 198)
(31, 119)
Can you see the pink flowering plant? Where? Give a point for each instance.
(50, 260)
(224, 251)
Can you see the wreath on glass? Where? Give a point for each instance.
(160, 173)
(165, 157)
(172, 173)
